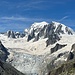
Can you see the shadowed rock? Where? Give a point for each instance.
(72, 53)
(3, 52)
(73, 47)
(52, 39)
(31, 35)
(70, 56)
(58, 30)
(57, 47)
(10, 34)
(36, 37)
(68, 31)
(7, 69)
(67, 68)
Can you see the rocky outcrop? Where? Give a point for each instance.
(36, 37)
(71, 53)
(53, 38)
(31, 35)
(68, 31)
(57, 47)
(59, 30)
(10, 34)
(7, 69)
(65, 69)
(17, 34)
(3, 52)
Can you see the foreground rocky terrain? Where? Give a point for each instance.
(43, 50)
(6, 68)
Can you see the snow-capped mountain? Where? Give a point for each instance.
(37, 27)
(63, 28)
(51, 45)
(52, 31)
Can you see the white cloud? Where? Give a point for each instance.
(23, 19)
(65, 17)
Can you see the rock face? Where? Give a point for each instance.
(31, 35)
(68, 31)
(17, 34)
(3, 52)
(52, 39)
(72, 53)
(65, 69)
(57, 47)
(10, 34)
(7, 69)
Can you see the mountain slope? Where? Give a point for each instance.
(34, 56)
(53, 31)
(7, 69)
(67, 68)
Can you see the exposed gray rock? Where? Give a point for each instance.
(68, 31)
(59, 30)
(61, 54)
(52, 39)
(42, 31)
(3, 52)
(31, 35)
(72, 53)
(70, 56)
(10, 34)
(22, 35)
(36, 37)
(7, 69)
(73, 47)
(57, 47)
(17, 34)
(49, 30)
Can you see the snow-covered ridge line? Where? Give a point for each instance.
(53, 31)
(39, 24)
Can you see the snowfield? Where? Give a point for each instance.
(29, 57)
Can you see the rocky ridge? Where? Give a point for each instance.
(53, 31)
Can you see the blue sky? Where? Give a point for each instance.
(20, 14)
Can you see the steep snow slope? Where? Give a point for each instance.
(40, 25)
(64, 28)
